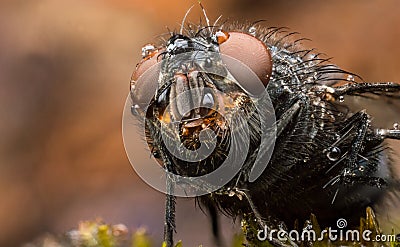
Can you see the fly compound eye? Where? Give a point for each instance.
(150, 57)
(144, 78)
(249, 51)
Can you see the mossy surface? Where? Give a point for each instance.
(97, 233)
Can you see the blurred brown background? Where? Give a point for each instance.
(64, 75)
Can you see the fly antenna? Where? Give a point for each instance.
(216, 22)
(184, 19)
(205, 15)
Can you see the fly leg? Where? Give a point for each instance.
(388, 133)
(353, 173)
(264, 149)
(170, 201)
(360, 88)
(212, 210)
(350, 172)
(358, 142)
(169, 224)
(261, 222)
(287, 117)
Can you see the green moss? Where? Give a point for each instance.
(141, 239)
(104, 236)
(238, 240)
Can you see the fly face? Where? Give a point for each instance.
(189, 107)
(196, 99)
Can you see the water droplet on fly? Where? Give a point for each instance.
(134, 110)
(334, 153)
(350, 78)
(252, 31)
(147, 50)
(341, 98)
(396, 126)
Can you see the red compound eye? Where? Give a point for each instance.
(250, 51)
(144, 78)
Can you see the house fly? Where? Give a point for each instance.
(298, 149)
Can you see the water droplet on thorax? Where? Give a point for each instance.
(334, 153)
(341, 98)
